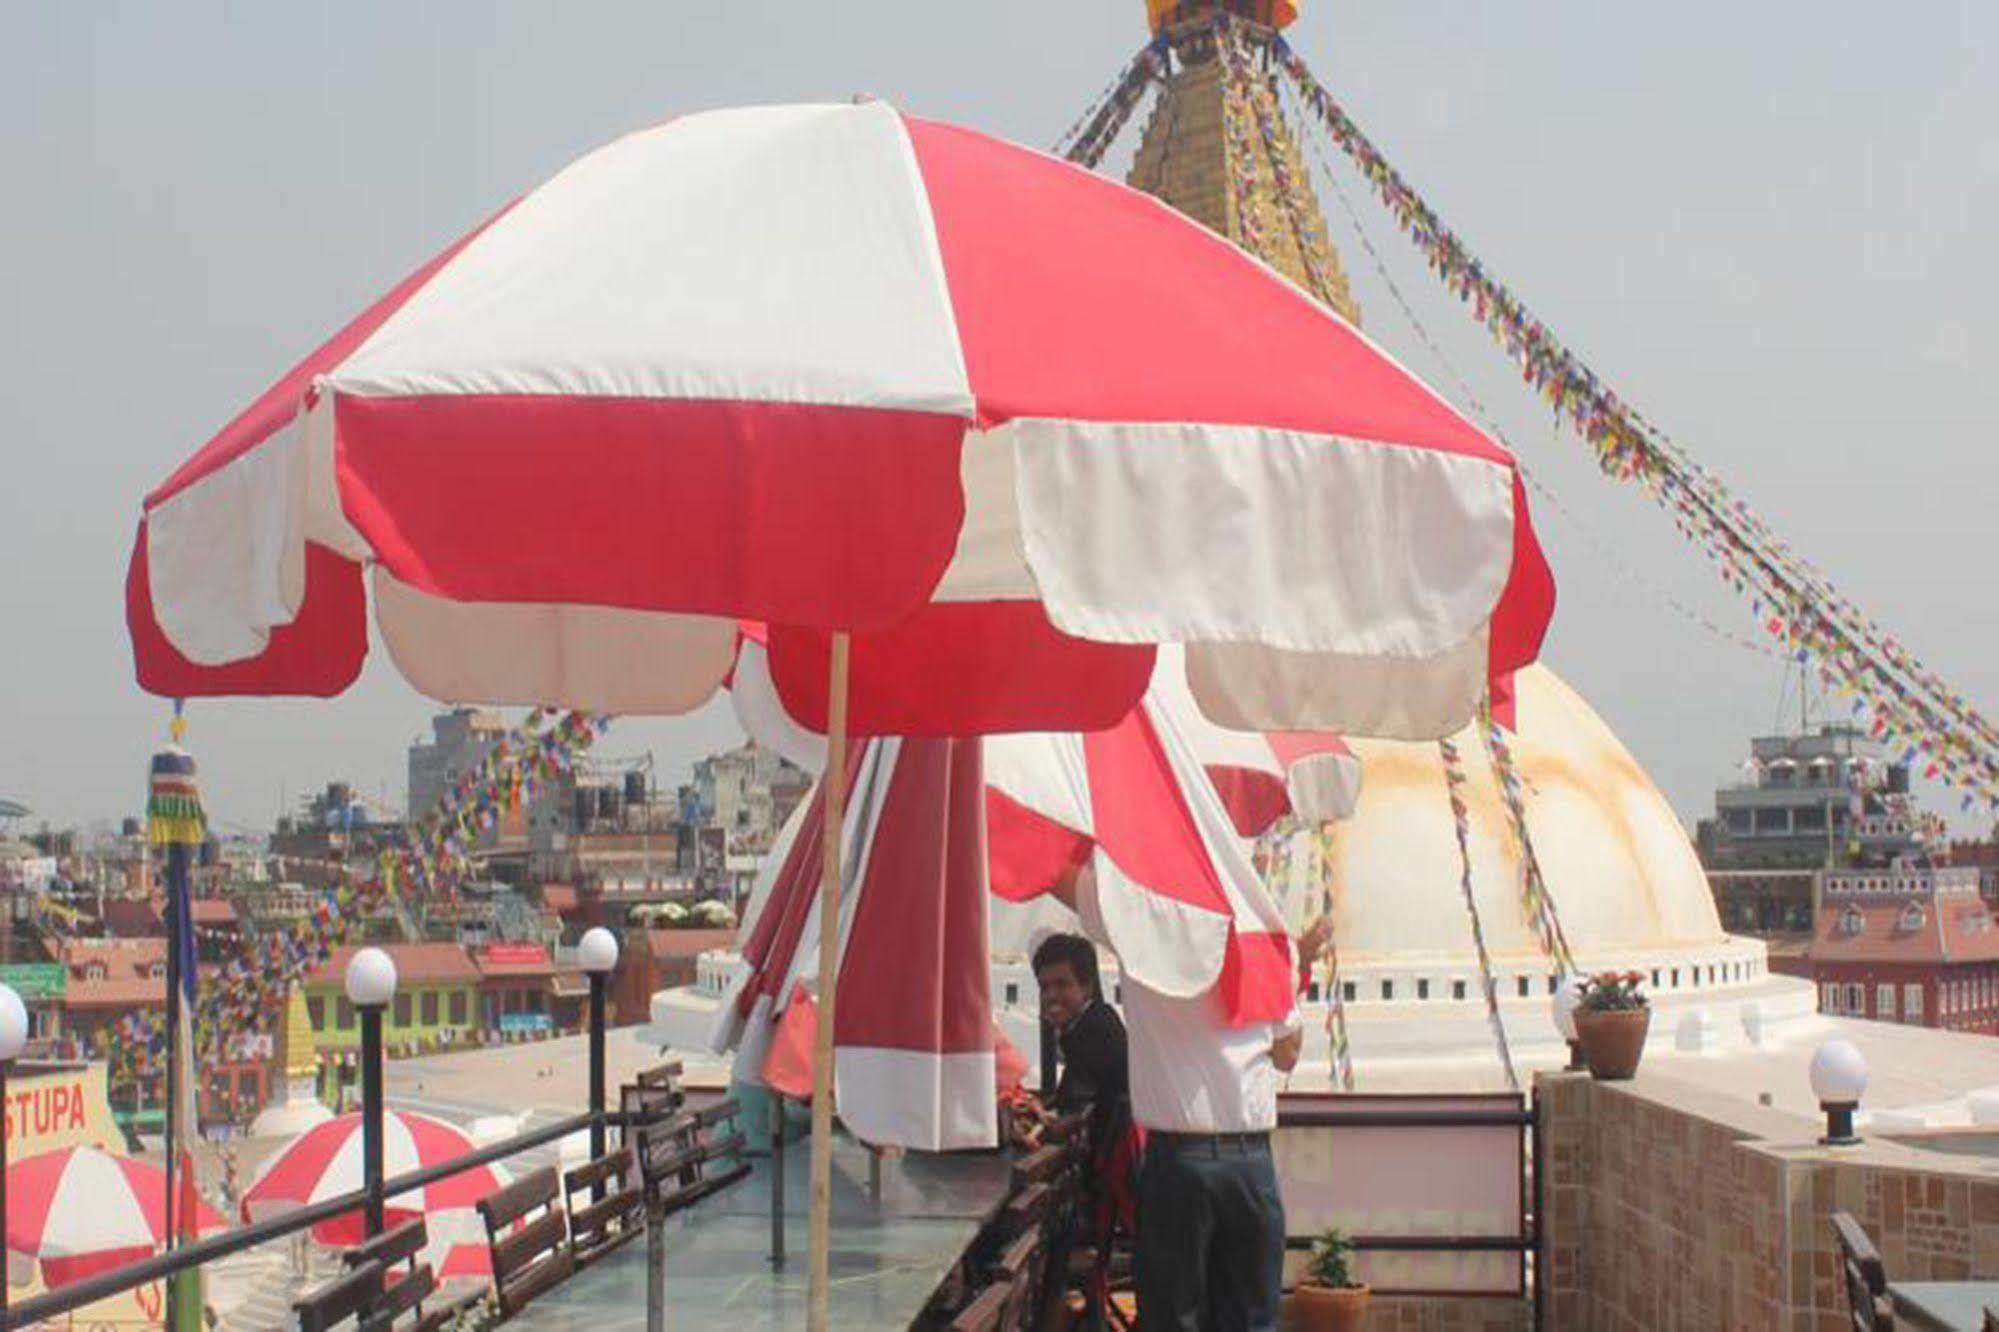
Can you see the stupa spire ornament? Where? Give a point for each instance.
(1217, 149)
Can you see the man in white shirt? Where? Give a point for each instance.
(1210, 1221)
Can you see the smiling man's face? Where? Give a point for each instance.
(1063, 993)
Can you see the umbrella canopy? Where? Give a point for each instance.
(842, 369)
(1259, 777)
(78, 1211)
(913, 1031)
(325, 1162)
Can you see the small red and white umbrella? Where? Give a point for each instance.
(458, 1249)
(78, 1211)
(325, 1162)
(913, 1058)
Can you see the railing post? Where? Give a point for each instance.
(370, 985)
(13, 1039)
(776, 1180)
(598, 952)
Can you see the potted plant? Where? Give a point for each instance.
(1329, 1299)
(1612, 1018)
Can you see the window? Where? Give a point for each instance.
(1312, 993)
(1912, 1003)
(1387, 990)
(344, 1016)
(1856, 999)
(157, 971)
(1522, 987)
(1828, 998)
(1655, 978)
(1884, 1002)
(1012, 994)
(456, 1007)
(428, 1006)
(1554, 983)
(1422, 989)
(1850, 921)
(315, 1009)
(1676, 978)
(402, 1009)
(1457, 989)
(1348, 991)
(1912, 917)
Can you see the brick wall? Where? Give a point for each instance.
(1670, 1208)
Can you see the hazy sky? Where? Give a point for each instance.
(1769, 225)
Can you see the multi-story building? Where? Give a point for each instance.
(1803, 803)
(460, 738)
(1907, 944)
(436, 1001)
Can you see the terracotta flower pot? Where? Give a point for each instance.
(1328, 1308)
(1613, 1041)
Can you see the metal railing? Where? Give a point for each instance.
(1523, 1117)
(187, 1257)
(367, 1200)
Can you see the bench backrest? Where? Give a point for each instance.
(988, 1310)
(399, 1244)
(334, 1301)
(1866, 1279)
(606, 1205)
(535, 1255)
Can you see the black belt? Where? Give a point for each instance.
(1260, 1138)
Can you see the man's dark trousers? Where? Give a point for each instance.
(1210, 1234)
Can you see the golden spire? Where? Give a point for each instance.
(295, 1050)
(1217, 149)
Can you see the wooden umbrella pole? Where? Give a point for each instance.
(819, 1283)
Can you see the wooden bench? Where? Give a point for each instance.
(535, 1256)
(654, 1094)
(677, 1156)
(1866, 1280)
(407, 1281)
(606, 1206)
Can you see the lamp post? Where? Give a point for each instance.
(13, 1039)
(370, 985)
(1562, 1007)
(1839, 1076)
(598, 952)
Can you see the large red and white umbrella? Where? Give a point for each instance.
(971, 428)
(325, 1162)
(839, 368)
(78, 1211)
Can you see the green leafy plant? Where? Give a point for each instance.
(1332, 1252)
(1611, 992)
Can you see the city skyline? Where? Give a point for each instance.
(1777, 272)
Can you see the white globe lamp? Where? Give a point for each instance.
(597, 950)
(1562, 1008)
(371, 979)
(13, 1025)
(1839, 1076)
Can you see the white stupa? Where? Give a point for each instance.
(1627, 886)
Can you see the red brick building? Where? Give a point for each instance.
(1916, 946)
(651, 960)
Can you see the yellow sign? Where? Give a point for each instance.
(60, 1107)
